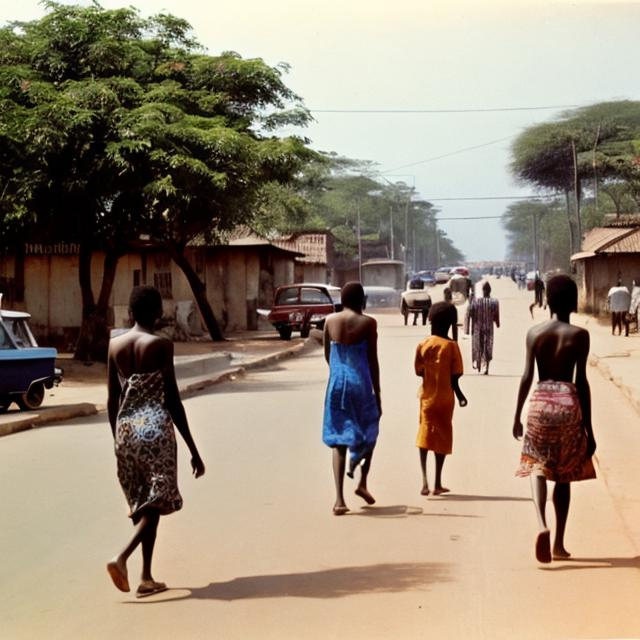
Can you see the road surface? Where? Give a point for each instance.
(256, 552)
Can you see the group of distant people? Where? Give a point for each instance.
(144, 406)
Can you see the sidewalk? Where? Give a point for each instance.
(198, 365)
(617, 357)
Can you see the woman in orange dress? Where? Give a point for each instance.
(439, 363)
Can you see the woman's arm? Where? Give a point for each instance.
(176, 408)
(455, 385)
(583, 390)
(326, 341)
(525, 385)
(372, 356)
(114, 390)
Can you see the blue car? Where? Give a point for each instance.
(26, 369)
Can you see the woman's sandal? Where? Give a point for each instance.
(150, 588)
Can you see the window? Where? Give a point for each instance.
(162, 282)
(288, 296)
(314, 296)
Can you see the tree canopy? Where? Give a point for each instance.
(112, 125)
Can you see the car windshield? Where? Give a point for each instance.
(335, 295)
(311, 295)
(287, 296)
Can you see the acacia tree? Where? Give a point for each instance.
(115, 125)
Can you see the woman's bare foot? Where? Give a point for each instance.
(117, 569)
(340, 509)
(560, 553)
(439, 490)
(363, 493)
(425, 490)
(149, 587)
(543, 546)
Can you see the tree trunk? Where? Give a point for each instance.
(570, 223)
(199, 291)
(93, 341)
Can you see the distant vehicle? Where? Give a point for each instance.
(415, 300)
(460, 271)
(426, 276)
(380, 297)
(299, 307)
(26, 369)
(442, 274)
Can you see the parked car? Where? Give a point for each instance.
(299, 307)
(26, 369)
(426, 276)
(459, 271)
(378, 297)
(442, 275)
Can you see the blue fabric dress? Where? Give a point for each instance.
(351, 413)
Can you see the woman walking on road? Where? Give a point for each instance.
(352, 407)
(439, 363)
(559, 441)
(143, 405)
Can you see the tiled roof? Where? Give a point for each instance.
(604, 240)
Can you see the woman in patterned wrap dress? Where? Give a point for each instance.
(559, 443)
(143, 405)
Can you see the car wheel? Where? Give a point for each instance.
(33, 398)
(285, 332)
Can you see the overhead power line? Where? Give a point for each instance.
(537, 197)
(469, 110)
(446, 155)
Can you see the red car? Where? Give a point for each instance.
(298, 307)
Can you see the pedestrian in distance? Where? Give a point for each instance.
(538, 293)
(558, 443)
(482, 314)
(439, 363)
(619, 302)
(352, 407)
(143, 406)
(451, 311)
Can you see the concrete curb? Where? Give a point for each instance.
(629, 393)
(30, 420)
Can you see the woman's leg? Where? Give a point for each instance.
(561, 501)
(423, 467)
(543, 540)
(148, 542)
(339, 463)
(117, 568)
(439, 464)
(362, 490)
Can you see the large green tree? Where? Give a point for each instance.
(112, 125)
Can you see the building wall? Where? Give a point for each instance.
(600, 273)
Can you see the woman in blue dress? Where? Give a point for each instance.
(352, 406)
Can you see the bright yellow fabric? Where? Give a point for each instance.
(439, 359)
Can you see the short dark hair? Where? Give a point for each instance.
(352, 296)
(440, 315)
(562, 294)
(486, 287)
(145, 304)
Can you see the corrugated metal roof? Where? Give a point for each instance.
(312, 245)
(629, 244)
(600, 237)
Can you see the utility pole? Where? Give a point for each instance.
(406, 235)
(359, 241)
(535, 241)
(392, 239)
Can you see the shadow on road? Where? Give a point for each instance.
(573, 564)
(331, 583)
(453, 497)
(390, 511)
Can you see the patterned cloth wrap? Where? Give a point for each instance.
(555, 443)
(351, 414)
(145, 447)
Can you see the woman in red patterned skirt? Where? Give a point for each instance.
(559, 443)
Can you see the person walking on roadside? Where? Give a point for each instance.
(634, 307)
(352, 406)
(143, 406)
(439, 363)
(451, 311)
(619, 301)
(482, 314)
(559, 442)
(538, 293)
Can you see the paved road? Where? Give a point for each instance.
(256, 553)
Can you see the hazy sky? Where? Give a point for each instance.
(426, 55)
